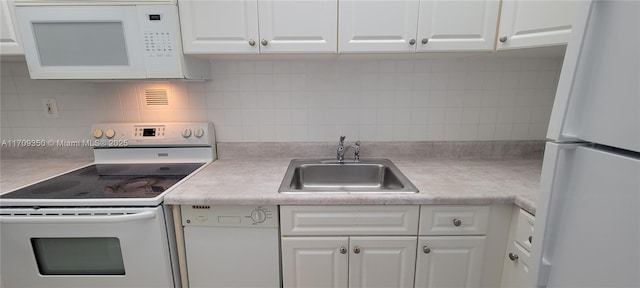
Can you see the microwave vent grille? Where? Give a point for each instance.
(156, 97)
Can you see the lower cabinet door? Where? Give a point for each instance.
(516, 268)
(382, 261)
(449, 261)
(315, 262)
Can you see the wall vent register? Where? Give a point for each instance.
(156, 97)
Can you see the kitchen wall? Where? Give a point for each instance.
(486, 98)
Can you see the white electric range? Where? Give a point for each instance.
(104, 225)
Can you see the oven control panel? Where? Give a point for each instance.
(230, 216)
(156, 134)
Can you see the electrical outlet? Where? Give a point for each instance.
(51, 108)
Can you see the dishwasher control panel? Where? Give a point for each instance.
(230, 216)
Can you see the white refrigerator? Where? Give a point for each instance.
(587, 224)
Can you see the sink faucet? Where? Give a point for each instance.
(342, 150)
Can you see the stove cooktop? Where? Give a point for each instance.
(108, 181)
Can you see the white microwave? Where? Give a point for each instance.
(107, 39)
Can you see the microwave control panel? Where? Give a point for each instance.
(158, 44)
(160, 36)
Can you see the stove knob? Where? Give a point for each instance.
(258, 215)
(198, 132)
(97, 133)
(186, 133)
(110, 133)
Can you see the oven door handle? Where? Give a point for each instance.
(76, 219)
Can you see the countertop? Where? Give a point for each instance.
(240, 181)
(440, 181)
(15, 173)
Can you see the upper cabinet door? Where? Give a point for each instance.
(378, 26)
(298, 26)
(221, 26)
(535, 23)
(9, 41)
(457, 25)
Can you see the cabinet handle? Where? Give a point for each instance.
(252, 42)
(513, 256)
(457, 222)
(343, 250)
(412, 41)
(426, 249)
(356, 250)
(531, 239)
(503, 39)
(264, 42)
(425, 40)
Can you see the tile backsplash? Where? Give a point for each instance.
(449, 99)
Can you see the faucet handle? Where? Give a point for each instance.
(357, 151)
(342, 139)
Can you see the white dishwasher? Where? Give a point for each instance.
(231, 246)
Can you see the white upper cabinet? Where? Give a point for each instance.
(378, 26)
(412, 25)
(457, 25)
(370, 26)
(535, 23)
(9, 37)
(258, 26)
(298, 26)
(210, 27)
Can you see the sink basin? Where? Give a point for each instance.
(328, 175)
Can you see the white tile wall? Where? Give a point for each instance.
(307, 100)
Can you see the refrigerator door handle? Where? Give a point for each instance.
(552, 180)
(543, 273)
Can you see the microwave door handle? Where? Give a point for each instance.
(76, 219)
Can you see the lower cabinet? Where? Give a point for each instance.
(393, 245)
(387, 261)
(515, 273)
(382, 261)
(450, 261)
(315, 261)
(516, 268)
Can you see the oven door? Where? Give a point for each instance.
(85, 247)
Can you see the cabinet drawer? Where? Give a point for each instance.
(453, 220)
(349, 220)
(524, 229)
(516, 270)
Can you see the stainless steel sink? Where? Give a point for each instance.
(329, 175)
